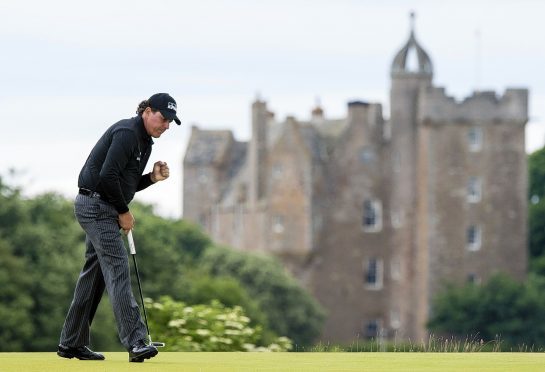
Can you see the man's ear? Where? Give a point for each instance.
(146, 112)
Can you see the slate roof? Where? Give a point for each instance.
(207, 146)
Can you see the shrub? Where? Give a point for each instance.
(212, 327)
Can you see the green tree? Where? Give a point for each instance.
(52, 246)
(42, 251)
(536, 173)
(166, 250)
(536, 192)
(501, 308)
(290, 311)
(16, 327)
(201, 288)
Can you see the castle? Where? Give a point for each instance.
(374, 216)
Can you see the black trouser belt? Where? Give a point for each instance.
(87, 192)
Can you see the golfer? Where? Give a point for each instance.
(111, 176)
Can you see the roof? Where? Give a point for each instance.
(208, 146)
(400, 63)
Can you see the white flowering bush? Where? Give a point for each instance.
(211, 327)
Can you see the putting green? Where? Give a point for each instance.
(222, 362)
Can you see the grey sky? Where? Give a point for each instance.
(70, 69)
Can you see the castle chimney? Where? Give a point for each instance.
(258, 150)
(317, 113)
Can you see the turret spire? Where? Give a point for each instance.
(400, 65)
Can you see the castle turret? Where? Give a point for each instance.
(411, 74)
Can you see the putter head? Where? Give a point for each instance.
(158, 344)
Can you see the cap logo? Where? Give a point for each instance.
(171, 106)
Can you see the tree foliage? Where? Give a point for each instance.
(536, 193)
(290, 311)
(536, 173)
(42, 252)
(500, 309)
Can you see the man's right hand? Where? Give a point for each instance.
(126, 221)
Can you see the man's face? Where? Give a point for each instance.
(155, 123)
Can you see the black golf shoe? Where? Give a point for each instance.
(141, 351)
(81, 353)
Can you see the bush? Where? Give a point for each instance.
(212, 327)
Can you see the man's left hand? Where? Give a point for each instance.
(160, 171)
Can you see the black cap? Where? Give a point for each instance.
(166, 105)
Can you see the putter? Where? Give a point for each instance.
(133, 254)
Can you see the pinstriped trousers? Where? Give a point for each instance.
(106, 266)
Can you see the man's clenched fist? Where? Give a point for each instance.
(160, 171)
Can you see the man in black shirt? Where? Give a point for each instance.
(111, 176)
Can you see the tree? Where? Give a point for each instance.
(501, 308)
(536, 173)
(51, 243)
(167, 250)
(16, 327)
(536, 191)
(290, 311)
(42, 251)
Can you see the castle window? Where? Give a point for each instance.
(367, 155)
(277, 171)
(372, 215)
(372, 329)
(474, 190)
(278, 224)
(473, 278)
(395, 269)
(475, 139)
(373, 274)
(396, 218)
(395, 320)
(473, 238)
(202, 175)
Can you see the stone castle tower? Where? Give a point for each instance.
(374, 216)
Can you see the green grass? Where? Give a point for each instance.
(223, 362)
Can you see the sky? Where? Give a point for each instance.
(69, 69)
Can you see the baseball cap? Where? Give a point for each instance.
(166, 105)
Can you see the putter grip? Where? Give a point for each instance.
(132, 249)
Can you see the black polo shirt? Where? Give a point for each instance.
(115, 165)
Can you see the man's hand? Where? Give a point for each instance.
(160, 172)
(126, 222)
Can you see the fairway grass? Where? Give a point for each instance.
(223, 362)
